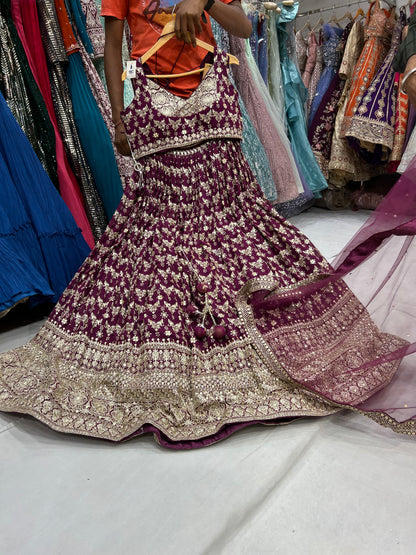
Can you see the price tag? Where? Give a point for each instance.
(131, 69)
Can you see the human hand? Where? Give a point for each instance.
(188, 20)
(120, 140)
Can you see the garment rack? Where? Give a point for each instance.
(336, 7)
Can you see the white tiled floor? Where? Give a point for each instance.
(339, 485)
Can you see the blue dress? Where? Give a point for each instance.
(295, 95)
(258, 42)
(332, 60)
(41, 246)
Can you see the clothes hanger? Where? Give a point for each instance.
(319, 22)
(359, 13)
(306, 26)
(168, 32)
(346, 15)
(334, 19)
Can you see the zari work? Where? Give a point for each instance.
(371, 130)
(156, 331)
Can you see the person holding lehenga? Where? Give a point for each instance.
(201, 311)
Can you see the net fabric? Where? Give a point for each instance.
(378, 265)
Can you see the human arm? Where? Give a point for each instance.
(405, 60)
(230, 16)
(113, 67)
(409, 87)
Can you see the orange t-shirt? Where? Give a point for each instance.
(146, 19)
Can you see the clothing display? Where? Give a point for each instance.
(200, 310)
(251, 145)
(41, 246)
(316, 74)
(343, 158)
(311, 59)
(175, 347)
(295, 95)
(25, 17)
(271, 137)
(248, 283)
(321, 129)
(19, 88)
(378, 33)
(331, 61)
(371, 130)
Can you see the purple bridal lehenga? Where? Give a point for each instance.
(200, 310)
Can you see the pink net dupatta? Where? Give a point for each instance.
(350, 337)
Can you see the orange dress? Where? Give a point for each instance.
(378, 34)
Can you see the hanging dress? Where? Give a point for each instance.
(270, 136)
(301, 51)
(25, 17)
(156, 332)
(331, 61)
(94, 135)
(322, 126)
(295, 96)
(41, 245)
(400, 126)
(371, 130)
(378, 33)
(22, 94)
(57, 58)
(345, 164)
(311, 60)
(124, 163)
(251, 145)
(316, 74)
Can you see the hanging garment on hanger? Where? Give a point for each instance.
(371, 130)
(295, 98)
(275, 79)
(25, 17)
(331, 61)
(301, 51)
(94, 135)
(321, 130)
(93, 27)
(270, 133)
(57, 58)
(400, 126)
(316, 75)
(345, 164)
(303, 197)
(122, 357)
(258, 42)
(41, 244)
(251, 145)
(22, 94)
(343, 159)
(263, 59)
(378, 33)
(311, 61)
(124, 163)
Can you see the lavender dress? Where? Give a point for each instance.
(154, 333)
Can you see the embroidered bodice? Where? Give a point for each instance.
(330, 52)
(157, 120)
(380, 25)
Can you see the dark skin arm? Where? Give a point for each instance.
(187, 25)
(410, 85)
